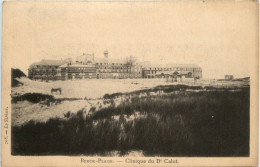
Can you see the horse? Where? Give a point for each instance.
(55, 90)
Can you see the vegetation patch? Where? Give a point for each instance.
(16, 73)
(168, 89)
(33, 97)
(206, 123)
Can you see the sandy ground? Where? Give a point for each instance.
(24, 111)
(93, 88)
(85, 88)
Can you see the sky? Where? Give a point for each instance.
(219, 36)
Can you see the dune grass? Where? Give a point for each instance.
(206, 123)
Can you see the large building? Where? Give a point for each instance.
(87, 66)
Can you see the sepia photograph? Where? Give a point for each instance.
(130, 83)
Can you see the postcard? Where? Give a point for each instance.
(130, 83)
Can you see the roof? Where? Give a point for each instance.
(64, 65)
(182, 65)
(48, 62)
(108, 60)
(170, 65)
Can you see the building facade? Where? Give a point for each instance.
(172, 70)
(76, 71)
(44, 70)
(117, 69)
(87, 66)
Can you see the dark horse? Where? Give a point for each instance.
(55, 90)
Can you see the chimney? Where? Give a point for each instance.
(106, 54)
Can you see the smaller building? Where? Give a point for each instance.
(229, 77)
(172, 70)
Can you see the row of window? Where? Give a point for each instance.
(45, 66)
(93, 71)
(176, 68)
(119, 67)
(78, 68)
(42, 72)
(113, 67)
(77, 74)
(38, 69)
(40, 75)
(71, 70)
(76, 71)
(113, 64)
(104, 70)
(155, 72)
(122, 75)
(113, 70)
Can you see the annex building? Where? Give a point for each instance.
(87, 66)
